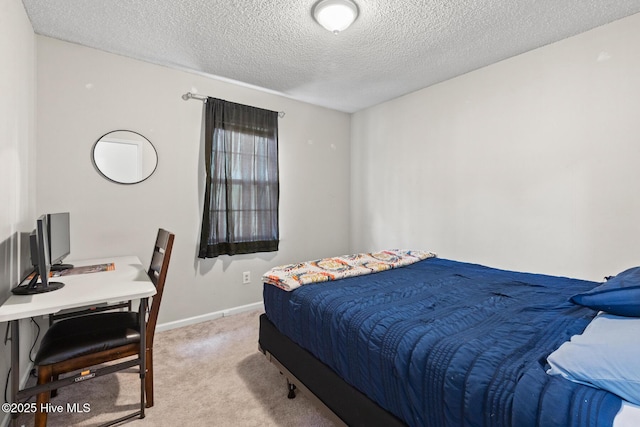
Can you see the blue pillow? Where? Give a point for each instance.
(619, 295)
(605, 356)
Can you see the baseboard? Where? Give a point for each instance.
(209, 316)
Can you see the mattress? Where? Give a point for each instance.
(442, 342)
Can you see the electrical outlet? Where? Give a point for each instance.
(246, 277)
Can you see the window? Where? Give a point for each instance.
(240, 214)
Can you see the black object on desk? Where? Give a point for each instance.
(36, 287)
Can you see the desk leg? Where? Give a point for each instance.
(142, 317)
(15, 367)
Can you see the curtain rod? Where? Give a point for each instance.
(187, 96)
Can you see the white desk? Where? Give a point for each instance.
(128, 281)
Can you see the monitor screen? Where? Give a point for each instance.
(59, 236)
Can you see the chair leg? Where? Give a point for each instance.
(44, 377)
(148, 379)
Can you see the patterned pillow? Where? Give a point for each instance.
(292, 276)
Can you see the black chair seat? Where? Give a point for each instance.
(80, 336)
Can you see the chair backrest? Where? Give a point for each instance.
(158, 274)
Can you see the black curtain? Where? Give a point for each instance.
(240, 214)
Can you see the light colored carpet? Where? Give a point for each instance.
(208, 374)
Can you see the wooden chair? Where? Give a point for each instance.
(83, 342)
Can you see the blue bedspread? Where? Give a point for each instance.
(445, 343)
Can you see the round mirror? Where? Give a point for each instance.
(124, 157)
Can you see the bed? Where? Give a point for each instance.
(437, 342)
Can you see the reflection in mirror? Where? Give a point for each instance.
(125, 157)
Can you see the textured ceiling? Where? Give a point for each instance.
(394, 47)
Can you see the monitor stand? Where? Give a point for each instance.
(35, 287)
(61, 267)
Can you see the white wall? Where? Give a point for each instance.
(528, 164)
(84, 93)
(17, 156)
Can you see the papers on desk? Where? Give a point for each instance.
(85, 269)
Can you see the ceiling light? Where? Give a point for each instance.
(335, 15)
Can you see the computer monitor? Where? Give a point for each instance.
(40, 259)
(59, 237)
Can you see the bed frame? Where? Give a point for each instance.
(343, 403)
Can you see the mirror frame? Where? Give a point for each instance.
(95, 165)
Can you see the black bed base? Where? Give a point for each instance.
(305, 371)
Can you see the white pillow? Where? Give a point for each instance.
(606, 356)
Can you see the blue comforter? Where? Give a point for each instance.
(445, 343)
